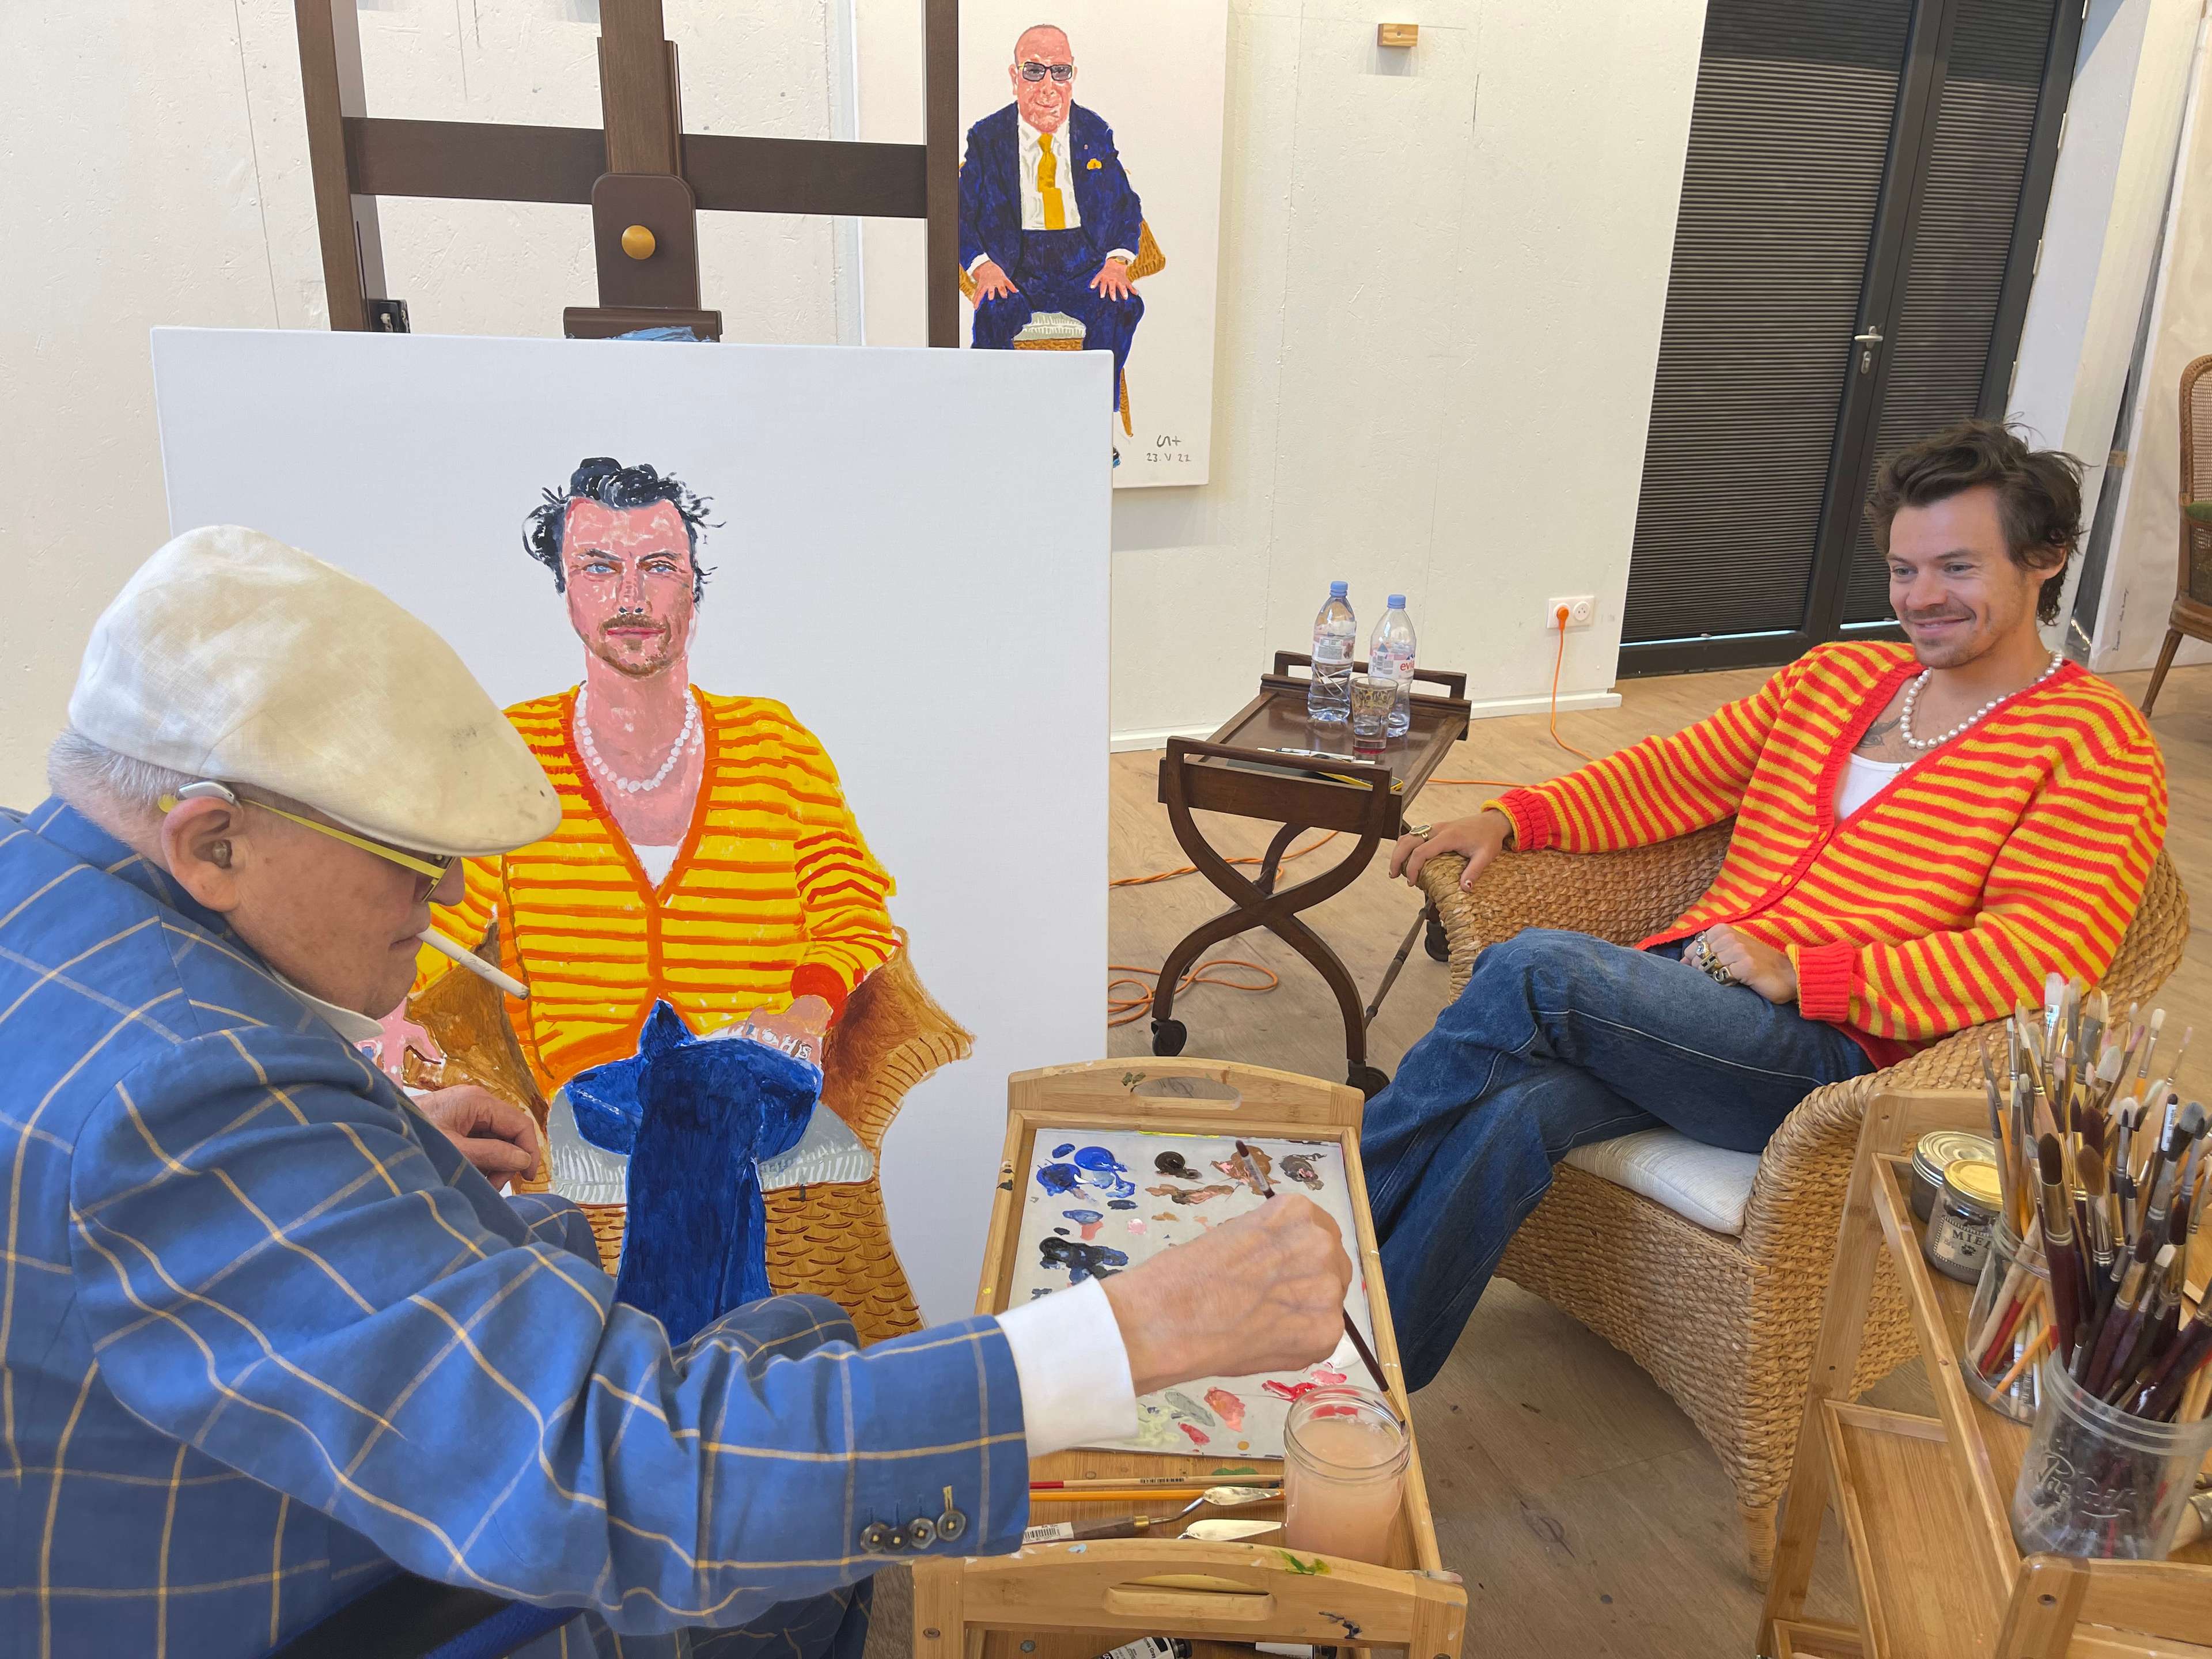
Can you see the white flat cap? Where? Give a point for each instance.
(233, 657)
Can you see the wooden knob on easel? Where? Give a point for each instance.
(637, 242)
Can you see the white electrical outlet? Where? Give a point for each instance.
(1581, 608)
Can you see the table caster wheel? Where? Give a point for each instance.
(1433, 941)
(1368, 1081)
(1169, 1036)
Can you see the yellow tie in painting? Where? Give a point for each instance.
(1055, 212)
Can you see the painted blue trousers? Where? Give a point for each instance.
(1560, 1040)
(1054, 273)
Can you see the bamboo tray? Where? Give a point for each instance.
(1924, 1503)
(1075, 1600)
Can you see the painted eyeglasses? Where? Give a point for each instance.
(1034, 70)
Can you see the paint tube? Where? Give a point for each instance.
(1051, 1532)
(1151, 1647)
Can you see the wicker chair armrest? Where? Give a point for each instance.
(1619, 897)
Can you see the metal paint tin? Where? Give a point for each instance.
(1964, 1220)
(1936, 1152)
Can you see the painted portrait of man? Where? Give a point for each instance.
(1050, 225)
(706, 858)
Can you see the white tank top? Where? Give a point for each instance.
(1862, 781)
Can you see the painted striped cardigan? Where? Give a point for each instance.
(2019, 848)
(772, 895)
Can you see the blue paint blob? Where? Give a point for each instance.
(1102, 1170)
(1122, 1204)
(1060, 1178)
(1082, 1215)
(1082, 1261)
(1063, 1149)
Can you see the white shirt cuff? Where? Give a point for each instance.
(1122, 255)
(978, 263)
(1074, 1370)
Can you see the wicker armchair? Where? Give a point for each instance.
(1725, 1325)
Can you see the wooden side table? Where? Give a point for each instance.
(1263, 764)
(1075, 1600)
(1925, 1502)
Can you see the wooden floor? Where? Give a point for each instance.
(1584, 1511)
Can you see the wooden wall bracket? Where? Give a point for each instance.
(354, 158)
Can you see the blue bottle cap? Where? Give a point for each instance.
(1397, 602)
(1338, 590)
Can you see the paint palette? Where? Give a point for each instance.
(1100, 1202)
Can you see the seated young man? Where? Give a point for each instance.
(1922, 832)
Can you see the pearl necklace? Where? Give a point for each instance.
(635, 785)
(1913, 696)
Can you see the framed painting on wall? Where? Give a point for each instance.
(1090, 206)
(821, 683)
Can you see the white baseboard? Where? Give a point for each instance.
(1126, 740)
(1493, 709)
(1569, 702)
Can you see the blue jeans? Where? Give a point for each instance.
(1560, 1040)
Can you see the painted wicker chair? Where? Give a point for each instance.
(1725, 1325)
(1150, 260)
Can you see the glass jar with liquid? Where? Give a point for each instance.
(1345, 1452)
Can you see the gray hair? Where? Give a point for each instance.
(84, 773)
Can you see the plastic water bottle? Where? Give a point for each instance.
(1336, 637)
(1391, 652)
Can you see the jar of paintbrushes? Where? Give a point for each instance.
(2008, 1325)
(2078, 1323)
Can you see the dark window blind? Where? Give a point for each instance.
(1955, 262)
(1789, 135)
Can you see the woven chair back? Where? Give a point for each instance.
(2196, 478)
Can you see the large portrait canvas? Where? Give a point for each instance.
(821, 683)
(1090, 207)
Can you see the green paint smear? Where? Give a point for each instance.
(1319, 1564)
(1240, 1468)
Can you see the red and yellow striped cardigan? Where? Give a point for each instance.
(773, 893)
(2019, 848)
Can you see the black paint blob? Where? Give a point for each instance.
(1081, 1259)
(1171, 1163)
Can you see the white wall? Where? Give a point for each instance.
(1442, 281)
(2141, 567)
(2100, 232)
(1443, 278)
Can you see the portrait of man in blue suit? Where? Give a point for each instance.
(1049, 223)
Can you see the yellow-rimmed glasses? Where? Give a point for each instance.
(430, 865)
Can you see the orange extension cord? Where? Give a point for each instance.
(1128, 1010)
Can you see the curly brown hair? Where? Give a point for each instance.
(2038, 494)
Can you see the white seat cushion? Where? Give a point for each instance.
(1705, 1184)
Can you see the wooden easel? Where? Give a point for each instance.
(640, 174)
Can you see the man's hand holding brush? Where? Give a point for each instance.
(1264, 1292)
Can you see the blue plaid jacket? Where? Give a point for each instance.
(263, 1333)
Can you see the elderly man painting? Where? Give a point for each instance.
(267, 1338)
(1048, 220)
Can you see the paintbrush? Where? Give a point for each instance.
(2163, 1382)
(2116, 1341)
(1998, 1137)
(2096, 1196)
(2133, 1347)
(1358, 1342)
(1108, 1483)
(2058, 1248)
(2150, 1044)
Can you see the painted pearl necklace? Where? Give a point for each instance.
(635, 785)
(1913, 696)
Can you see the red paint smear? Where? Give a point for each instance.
(1197, 1434)
(1227, 1407)
(1293, 1391)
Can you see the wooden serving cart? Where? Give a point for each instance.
(1925, 1502)
(1074, 1601)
